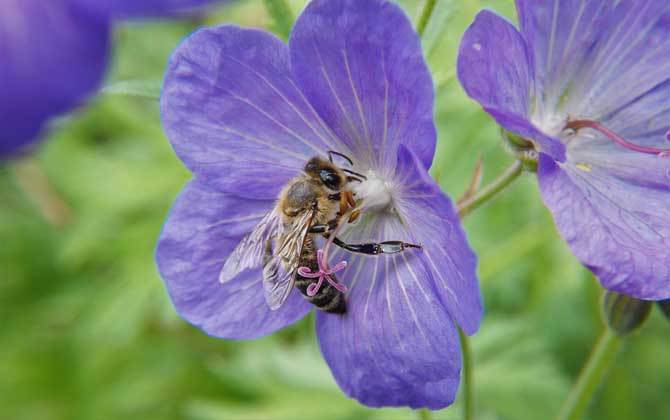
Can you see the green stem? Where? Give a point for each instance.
(467, 388)
(427, 11)
(425, 414)
(281, 15)
(591, 376)
(490, 191)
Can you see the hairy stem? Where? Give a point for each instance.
(591, 376)
(491, 190)
(424, 17)
(467, 387)
(282, 16)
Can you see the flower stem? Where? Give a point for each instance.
(468, 395)
(425, 414)
(489, 192)
(428, 7)
(591, 376)
(282, 16)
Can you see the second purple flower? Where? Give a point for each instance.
(588, 84)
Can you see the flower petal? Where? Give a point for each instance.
(433, 222)
(495, 69)
(397, 345)
(560, 35)
(53, 56)
(202, 229)
(616, 221)
(360, 64)
(645, 120)
(234, 115)
(632, 51)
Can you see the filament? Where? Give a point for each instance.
(579, 124)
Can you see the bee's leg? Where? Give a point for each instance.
(350, 199)
(376, 248)
(345, 201)
(324, 228)
(344, 205)
(354, 216)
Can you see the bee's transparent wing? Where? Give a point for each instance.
(249, 252)
(280, 267)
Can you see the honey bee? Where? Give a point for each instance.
(313, 203)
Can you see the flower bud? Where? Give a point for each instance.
(664, 306)
(522, 149)
(625, 314)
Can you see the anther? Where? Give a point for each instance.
(577, 125)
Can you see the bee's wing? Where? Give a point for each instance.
(249, 252)
(280, 267)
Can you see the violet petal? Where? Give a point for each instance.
(397, 344)
(202, 229)
(233, 114)
(619, 227)
(495, 68)
(360, 64)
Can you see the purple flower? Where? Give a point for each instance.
(53, 56)
(588, 83)
(245, 112)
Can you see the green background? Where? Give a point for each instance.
(87, 330)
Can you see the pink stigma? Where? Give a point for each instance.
(323, 273)
(579, 124)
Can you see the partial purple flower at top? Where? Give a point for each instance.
(53, 56)
(249, 115)
(588, 83)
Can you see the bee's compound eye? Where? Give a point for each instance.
(330, 179)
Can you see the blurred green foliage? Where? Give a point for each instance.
(88, 332)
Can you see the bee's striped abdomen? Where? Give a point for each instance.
(328, 298)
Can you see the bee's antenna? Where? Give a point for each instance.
(355, 173)
(332, 152)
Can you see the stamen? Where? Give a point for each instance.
(579, 124)
(323, 273)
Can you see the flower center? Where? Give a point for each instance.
(375, 193)
(577, 125)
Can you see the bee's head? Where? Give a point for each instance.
(326, 172)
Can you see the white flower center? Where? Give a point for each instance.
(375, 193)
(551, 124)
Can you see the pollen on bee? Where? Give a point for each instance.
(584, 167)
